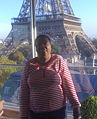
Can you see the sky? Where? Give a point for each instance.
(84, 9)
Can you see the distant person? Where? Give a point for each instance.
(46, 84)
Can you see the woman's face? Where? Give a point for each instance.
(43, 49)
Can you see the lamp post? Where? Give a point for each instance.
(33, 27)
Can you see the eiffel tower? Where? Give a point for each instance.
(56, 19)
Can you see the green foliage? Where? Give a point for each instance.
(17, 57)
(89, 108)
(94, 41)
(26, 49)
(5, 71)
(5, 60)
(54, 48)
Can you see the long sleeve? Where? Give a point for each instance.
(67, 84)
(24, 94)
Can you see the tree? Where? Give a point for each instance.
(54, 48)
(89, 108)
(17, 57)
(26, 50)
(6, 70)
(94, 41)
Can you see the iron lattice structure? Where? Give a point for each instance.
(46, 7)
(56, 19)
(53, 7)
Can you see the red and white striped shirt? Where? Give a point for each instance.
(45, 88)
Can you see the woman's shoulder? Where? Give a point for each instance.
(57, 56)
(32, 61)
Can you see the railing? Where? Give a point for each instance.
(21, 20)
(58, 17)
(10, 76)
(45, 17)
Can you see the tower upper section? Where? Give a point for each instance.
(53, 7)
(46, 7)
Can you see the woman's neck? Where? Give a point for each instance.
(44, 60)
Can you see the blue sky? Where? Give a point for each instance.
(87, 11)
(84, 9)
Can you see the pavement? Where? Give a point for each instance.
(69, 116)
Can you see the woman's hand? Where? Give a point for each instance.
(76, 113)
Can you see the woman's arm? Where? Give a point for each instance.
(69, 89)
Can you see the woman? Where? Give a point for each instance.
(46, 84)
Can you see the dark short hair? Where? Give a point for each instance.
(42, 39)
